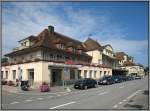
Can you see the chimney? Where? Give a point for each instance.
(51, 29)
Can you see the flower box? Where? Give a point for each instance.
(44, 87)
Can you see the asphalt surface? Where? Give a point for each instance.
(126, 95)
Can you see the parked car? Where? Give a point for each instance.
(85, 83)
(129, 78)
(116, 79)
(3, 82)
(106, 81)
(137, 77)
(25, 85)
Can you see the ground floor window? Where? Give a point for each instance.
(79, 74)
(85, 73)
(90, 74)
(6, 74)
(95, 74)
(2, 75)
(72, 73)
(104, 73)
(56, 76)
(31, 76)
(100, 72)
(14, 74)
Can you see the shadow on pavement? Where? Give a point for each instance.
(134, 106)
(146, 92)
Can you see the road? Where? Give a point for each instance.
(126, 95)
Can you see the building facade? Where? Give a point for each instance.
(51, 57)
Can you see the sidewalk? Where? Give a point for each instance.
(53, 90)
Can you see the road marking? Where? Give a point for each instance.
(124, 100)
(58, 95)
(121, 87)
(103, 93)
(40, 98)
(120, 102)
(66, 93)
(15, 102)
(63, 105)
(50, 96)
(132, 95)
(28, 100)
(115, 106)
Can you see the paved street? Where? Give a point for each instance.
(126, 95)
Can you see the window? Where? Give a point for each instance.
(2, 75)
(51, 56)
(14, 74)
(90, 74)
(85, 73)
(108, 72)
(74, 50)
(104, 72)
(79, 74)
(95, 74)
(6, 74)
(22, 58)
(62, 46)
(31, 56)
(72, 74)
(100, 72)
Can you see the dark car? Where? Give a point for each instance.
(3, 82)
(85, 83)
(117, 79)
(106, 81)
(129, 78)
(137, 77)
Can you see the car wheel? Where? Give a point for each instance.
(85, 87)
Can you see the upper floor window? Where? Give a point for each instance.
(31, 56)
(62, 46)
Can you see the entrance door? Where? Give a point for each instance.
(31, 76)
(56, 76)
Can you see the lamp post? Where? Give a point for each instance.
(19, 78)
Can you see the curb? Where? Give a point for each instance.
(40, 93)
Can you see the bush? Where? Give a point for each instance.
(10, 83)
(44, 87)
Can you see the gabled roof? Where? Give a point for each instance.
(48, 40)
(107, 46)
(120, 55)
(91, 44)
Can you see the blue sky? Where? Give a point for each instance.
(124, 25)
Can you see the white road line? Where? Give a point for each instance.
(40, 98)
(120, 102)
(103, 93)
(15, 102)
(50, 96)
(63, 105)
(58, 95)
(132, 95)
(121, 87)
(124, 100)
(115, 106)
(28, 100)
(66, 93)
